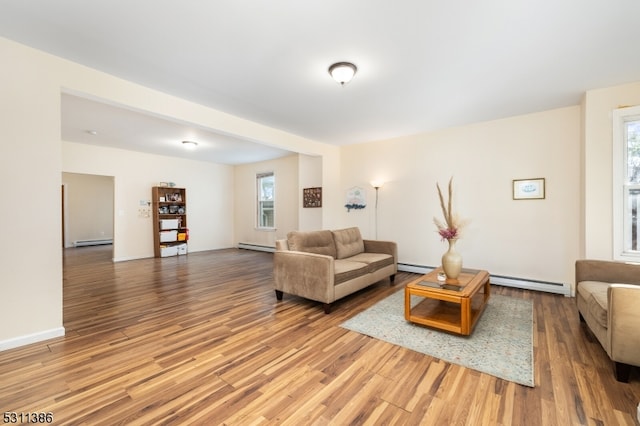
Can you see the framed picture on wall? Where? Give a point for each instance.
(528, 189)
(312, 197)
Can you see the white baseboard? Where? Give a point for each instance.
(549, 287)
(128, 258)
(28, 339)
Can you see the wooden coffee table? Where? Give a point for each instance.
(455, 305)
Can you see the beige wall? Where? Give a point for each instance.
(286, 200)
(209, 195)
(30, 167)
(598, 166)
(88, 207)
(532, 239)
(31, 155)
(292, 174)
(310, 176)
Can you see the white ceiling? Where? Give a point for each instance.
(97, 123)
(422, 64)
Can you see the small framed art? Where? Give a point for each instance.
(528, 189)
(312, 197)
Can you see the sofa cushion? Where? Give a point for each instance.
(346, 270)
(282, 245)
(348, 242)
(318, 242)
(595, 294)
(374, 260)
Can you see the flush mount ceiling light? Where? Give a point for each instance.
(189, 144)
(343, 72)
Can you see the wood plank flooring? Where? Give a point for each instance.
(201, 339)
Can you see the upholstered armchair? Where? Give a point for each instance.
(608, 299)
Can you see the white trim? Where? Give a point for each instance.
(128, 258)
(258, 200)
(619, 204)
(28, 339)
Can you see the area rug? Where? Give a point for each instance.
(501, 344)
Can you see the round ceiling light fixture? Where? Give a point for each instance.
(343, 72)
(189, 144)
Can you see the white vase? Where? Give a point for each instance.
(452, 261)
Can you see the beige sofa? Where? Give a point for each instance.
(327, 265)
(608, 298)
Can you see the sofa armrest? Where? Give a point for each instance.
(308, 275)
(624, 323)
(378, 246)
(607, 271)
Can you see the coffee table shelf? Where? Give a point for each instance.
(456, 308)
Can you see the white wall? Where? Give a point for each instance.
(209, 194)
(88, 207)
(287, 199)
(532, 239)
(598, 166)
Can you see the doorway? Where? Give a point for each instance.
(87, 210)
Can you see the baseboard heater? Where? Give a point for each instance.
(549, 287)
(96, 242)
(257, 247)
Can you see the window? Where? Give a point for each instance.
(626, 183)
(266, 186)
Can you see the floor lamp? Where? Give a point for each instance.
(377, 186)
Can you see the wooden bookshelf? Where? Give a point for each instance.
(170, 232)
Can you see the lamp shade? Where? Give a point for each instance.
(343, 72)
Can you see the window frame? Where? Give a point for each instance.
(622, 249)
(260, 225)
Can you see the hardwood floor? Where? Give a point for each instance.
(201, 339)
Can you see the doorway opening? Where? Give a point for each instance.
(87, 211)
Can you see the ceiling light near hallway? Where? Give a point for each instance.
(343, 72)
(189, 144)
